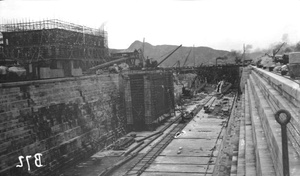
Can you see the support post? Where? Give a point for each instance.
(283, 117)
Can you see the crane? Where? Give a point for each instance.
(275, 51)
(176, 64)
(168, 55)
(187, 58)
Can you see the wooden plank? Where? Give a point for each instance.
(180, 168)
(172, 174)
(184, 160)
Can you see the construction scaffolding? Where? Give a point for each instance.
(53, 39)
(53, 43)
(22, 26)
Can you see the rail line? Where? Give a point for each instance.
(150, 156)
(147, 159)
(155, 152)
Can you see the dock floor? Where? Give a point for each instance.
(195, 151)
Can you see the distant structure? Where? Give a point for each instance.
(125, 53)
(133, 56)
(52, 48)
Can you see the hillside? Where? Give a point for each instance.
(203, 55)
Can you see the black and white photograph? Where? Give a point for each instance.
(149, 88)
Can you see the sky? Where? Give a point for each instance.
(219, 24)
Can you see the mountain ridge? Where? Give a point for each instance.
(199, 55)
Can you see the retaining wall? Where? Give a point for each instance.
(269, 93)
(63, 119)
(149, 96)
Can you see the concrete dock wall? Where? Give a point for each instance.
(269, 93)
(282, 93)
(63, 119)
(245, 75)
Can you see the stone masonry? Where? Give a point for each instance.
(63, 119)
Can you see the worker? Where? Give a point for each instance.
(284, 69)
(219, 87)
(3, 72)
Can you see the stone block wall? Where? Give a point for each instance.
(63, 119)
(149, 95)
(245, 72)
(282, 94)
(271, 93)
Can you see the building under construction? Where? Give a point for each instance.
(53, 48)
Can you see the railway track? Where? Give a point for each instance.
(144, 161)
(149, 157)
(155, 151)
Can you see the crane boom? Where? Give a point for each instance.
(123, 59)
(275, 51)
(168, 55)
(177, 63)
(186, 58)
